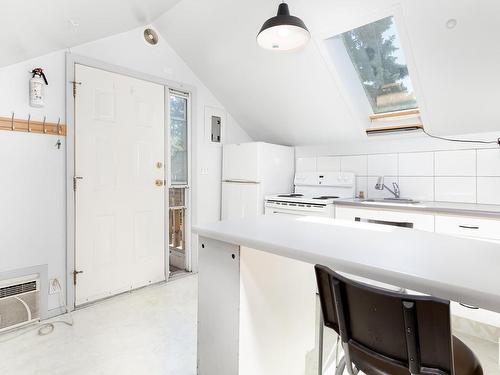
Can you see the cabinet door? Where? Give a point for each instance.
(218, 307)
(419, 220)
(481, 229)
(468, 226)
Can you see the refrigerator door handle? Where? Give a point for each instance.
(241, 181)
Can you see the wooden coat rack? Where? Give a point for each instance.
(29, 126)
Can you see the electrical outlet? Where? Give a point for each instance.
(54, 286)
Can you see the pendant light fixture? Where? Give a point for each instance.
(283, 32)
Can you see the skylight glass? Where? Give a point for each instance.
(376, 53)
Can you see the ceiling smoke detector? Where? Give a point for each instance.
(151, 37)
(451, 23)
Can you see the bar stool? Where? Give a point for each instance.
(389, 333)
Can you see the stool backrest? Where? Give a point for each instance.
(405, 330)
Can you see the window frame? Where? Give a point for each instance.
(360, 108)
(187, 96)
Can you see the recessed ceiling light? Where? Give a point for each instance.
(451, 23)
(74, 22)
(151, 37)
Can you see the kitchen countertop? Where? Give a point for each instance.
(453, 268)
(438, 207)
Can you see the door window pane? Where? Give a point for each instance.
(378, 58)
(177, 197)
(177, 228)
(178, 140)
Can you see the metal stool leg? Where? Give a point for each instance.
(320, 346)
(340, 367)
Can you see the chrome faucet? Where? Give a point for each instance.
(381, 186)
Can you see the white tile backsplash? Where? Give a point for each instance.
(306, 164)
(470, 176)
(419, 188)
(355, 163)
(328, 164)
(383, 165)
(455, 189)
(455, 163)
(488, 190)
(374, 193)
(416, 164)
(488, 162)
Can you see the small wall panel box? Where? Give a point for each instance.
(19, 302)
(216, 129)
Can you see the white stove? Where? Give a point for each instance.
(314, 194)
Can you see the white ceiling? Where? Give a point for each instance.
(289, 98)
(292, 98)
(30, 28)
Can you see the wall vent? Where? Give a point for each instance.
(19, 302)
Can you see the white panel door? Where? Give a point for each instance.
(120, 209)
(241, 200)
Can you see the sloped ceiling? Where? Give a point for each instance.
(30, 28)
(292, 98)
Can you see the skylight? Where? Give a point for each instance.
(378, 58)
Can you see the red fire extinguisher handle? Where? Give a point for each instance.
(39, 72)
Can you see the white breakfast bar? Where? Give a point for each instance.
(257, 305)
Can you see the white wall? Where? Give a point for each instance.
(425, 169)
(32, 169)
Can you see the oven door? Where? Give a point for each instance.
(292, 209)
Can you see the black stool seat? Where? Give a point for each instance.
(385, 332)
(465, 361)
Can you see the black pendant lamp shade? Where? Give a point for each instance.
(283, 32)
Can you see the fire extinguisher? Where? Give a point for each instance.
(38, 82)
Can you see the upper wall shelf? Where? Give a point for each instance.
(29, 126)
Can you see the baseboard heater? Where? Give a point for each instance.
(393, 129)
(19, 301)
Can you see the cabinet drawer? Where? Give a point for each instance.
(478, 315)
(468, 226)
(418, 220)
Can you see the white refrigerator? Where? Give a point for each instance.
(250, 171)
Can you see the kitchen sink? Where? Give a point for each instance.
(391, 200)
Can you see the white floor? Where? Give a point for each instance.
(151, 331)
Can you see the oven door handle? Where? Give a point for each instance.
(286, 213)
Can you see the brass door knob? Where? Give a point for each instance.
(159, 165)
(159, 182)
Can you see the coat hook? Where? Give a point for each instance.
(58, 126)
(29, 119)
(12, 122)
(43, 125)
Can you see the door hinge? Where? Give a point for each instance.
(75, 274)
(75, 179)
(74, 87)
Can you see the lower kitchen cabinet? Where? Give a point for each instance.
(468, 227)
(470, 319)
(482, 229)
(413, 220)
